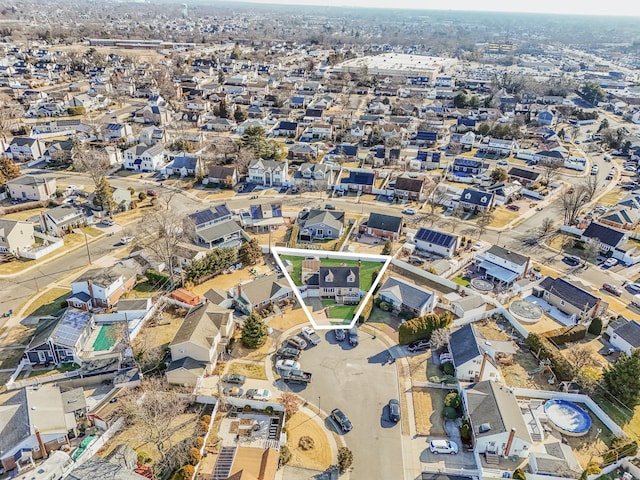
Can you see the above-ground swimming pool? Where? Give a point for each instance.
(567, 417)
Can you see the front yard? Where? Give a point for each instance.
(345, 312)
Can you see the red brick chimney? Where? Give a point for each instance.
(45, 454)
(484, 363)
(512, 434)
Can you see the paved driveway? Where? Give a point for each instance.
(462, 459)
(360, 382)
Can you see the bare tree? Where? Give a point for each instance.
(591, 249)
(572, 201)
(579, 356)
(440, 338)
(547, 227)
(484, 220)
(92, 161)
(155, 410)
(550, 168)
(591, 186)
(291, 403)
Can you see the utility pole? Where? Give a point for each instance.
(86, 243)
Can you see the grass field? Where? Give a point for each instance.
(345, 312)
(49, 302)
(366, 268)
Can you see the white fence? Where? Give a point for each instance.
(98, 443)
(14, 385)
(53, 244)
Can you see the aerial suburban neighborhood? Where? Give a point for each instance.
(258, 242)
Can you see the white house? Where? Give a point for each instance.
(434, 241)
(503, 266)
(144, 158)
(403, 296)
(474, 357)
(496, 421)
(624, 335)
(268, 172)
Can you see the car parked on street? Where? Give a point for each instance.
(342, 420)
(234, 378)
(610, 262)
(394, 410)
(612, 289)
(409, 211)
(572, 259)
(108, 222)
(633, 287)
(329, 206)
(513, 207)
(419, 345)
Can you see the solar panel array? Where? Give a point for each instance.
(70, 328)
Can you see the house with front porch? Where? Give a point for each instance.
(58, 221)
(268, 173)
(407, 297)
(25, 149)
(61, 339)
(144, 158)
(341, 284)
(314, 175)
(259, 293)
(360, 180)
(503, 266)
(468, 166)
(263, 217)
(225, 176)
(183, 165)
(411, 188)
(499, 146)
(318, 224)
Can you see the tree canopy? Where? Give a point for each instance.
(250, 252)
(254, 331)
(255, 139)
(622, 380)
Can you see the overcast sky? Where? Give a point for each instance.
(624, 8)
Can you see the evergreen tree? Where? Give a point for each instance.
(388, 246)
(622, 379)
(250, 252)
(104, 195)
(8, 170)
(222, 109)
(254, 331)
(239, 115)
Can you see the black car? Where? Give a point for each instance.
(288, 353)
(419, 345)
(394, 410)
(329, 206)
(340, 334)
(341, 419)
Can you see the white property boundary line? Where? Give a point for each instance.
(297, 252)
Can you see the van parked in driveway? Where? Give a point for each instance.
(443, 446)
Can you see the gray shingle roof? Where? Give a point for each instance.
(387, 223)
(508, 255)
(569, 292)
(340, 277)
(630, 332)
(410, 295)
(604, 234)
(214, 232)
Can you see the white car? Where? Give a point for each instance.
(287, 365)
(108, 221)
(610, 262)
(409, 211)
(259, 394)
(125, 240)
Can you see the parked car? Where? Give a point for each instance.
(126, 239)
(234, 378)
(329, 206)
(285, 365)
(503, 162)
(108, 222)
(572, 259)
(233, 391)
(152, 193)
(633, 287)
(353, 337)
(288, 353)
(612, 289)
(297, 342)
(601, 209)
(339, 334)
(610, 262)
(259, 394)
(310, 335)
(394, 410)
(341, 419)
(409, 211)
(594, 170)
(413, 260)
(513, 207)
(419, 345)
(443, 446)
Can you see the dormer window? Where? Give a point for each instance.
(329, 277)
(483, 199)
(352, 277)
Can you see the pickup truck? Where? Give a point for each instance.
(296, 376)
(310, 335)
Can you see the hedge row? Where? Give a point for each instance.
(572, 333)
(548, 351)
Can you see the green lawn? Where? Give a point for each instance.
(344, 312)
(461, 281)
(366, 268)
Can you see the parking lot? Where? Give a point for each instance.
(360, 382)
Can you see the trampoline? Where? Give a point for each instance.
(567, 417)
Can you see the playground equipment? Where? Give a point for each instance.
(543, 367)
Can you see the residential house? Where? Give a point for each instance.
(497, 424)
(314, 175)
(225, 176)
(473, 357)
(152, 114)
(624, 335)
(340, 283)
(101, 287)
(58, 221)
(114, 132)
(406, 297)
(263, 217)
(425, 160)
(425, 138)
(608, 238)
(468, 166)
(224, 234)
(343, 152)
(210, 216)
(410, 188)
(36, 422)
(621, 217)
(285, 129)
(317, 131)
(204, 332)
(318, 224)
(25, 149)
(434, 241)
(32, 187)
(121, 200)
(15, 236)
(462, 306)
(183, 165)
(476, 200)
(546, 117)
(503, 266)
(303, 152)
(523, 176)
(571, 299)
(254, 463)
(387, 227)
(144, 158)
(360, 180)
(220, 125)
(61, 339)
(268, 172)
(556, 461)
(261, 292)
(153, 135)
(186, 253)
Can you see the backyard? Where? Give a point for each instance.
(367, 269)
